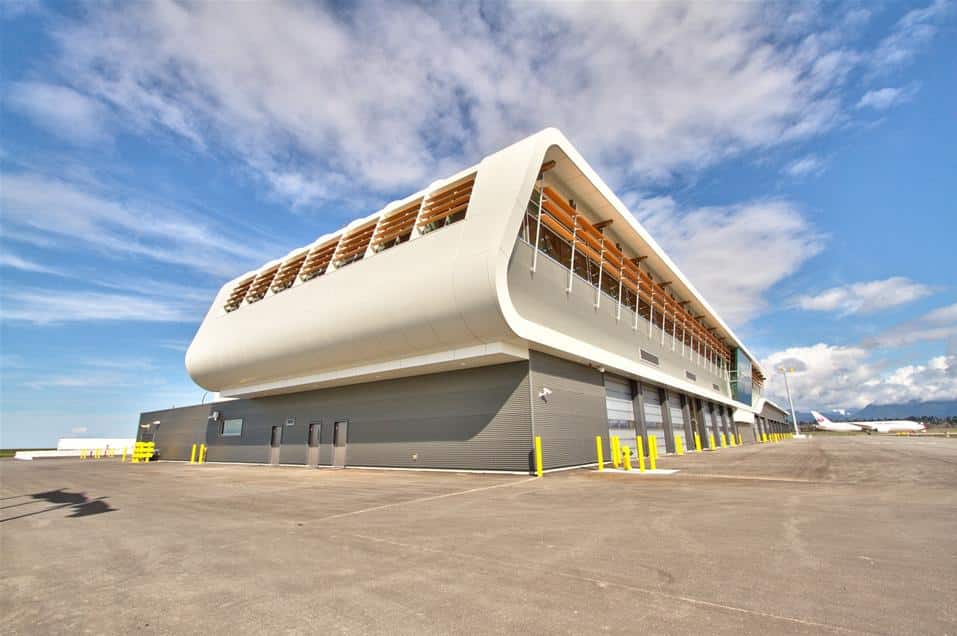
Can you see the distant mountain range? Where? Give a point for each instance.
(914, 408)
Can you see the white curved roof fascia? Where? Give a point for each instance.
(459, 299)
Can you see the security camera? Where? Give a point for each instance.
(544, 393)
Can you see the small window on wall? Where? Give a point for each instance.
(649, 357)
(232, 428)
(716, 387)
(691, 376)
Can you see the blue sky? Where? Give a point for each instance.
(797, 160)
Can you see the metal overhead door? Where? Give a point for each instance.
(711, 422)
(653, 417)
(621, 413)
(677, 418)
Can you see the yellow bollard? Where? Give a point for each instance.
(640, 446)
(711, 440)
(124, 455)
(679, 446)
(615, 451)
(652, 452)
(192, 455)
(740, 439)
(626, 457)
(538, 456)
(202, 453)
(697, 443)
(599, 452)
(764, 438)
(732, 438)
(724, 441)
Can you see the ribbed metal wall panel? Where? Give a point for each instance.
(178, 429)
(573, 415)
(469, 419)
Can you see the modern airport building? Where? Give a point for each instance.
(516, 299)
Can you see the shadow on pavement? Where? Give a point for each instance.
(82, 505)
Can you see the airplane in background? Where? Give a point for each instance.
(885, 426)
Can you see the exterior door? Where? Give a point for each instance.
(312, 451)
(714, 423)
(274, 443)
(654, 419)
(340, 437)
(619, 409)
(677, 419)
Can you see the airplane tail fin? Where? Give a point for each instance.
(820, 419)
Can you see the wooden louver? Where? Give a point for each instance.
(397, 227)
(238, 294)
(444, 204)
(318, 259)
(261, 284)
(353, 246)
(288, 271)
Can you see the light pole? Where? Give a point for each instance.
(787, 389)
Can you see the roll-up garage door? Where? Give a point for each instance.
(677, 417)
(621, 414)
(709, 421)
(653, 417)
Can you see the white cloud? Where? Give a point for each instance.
(88, 380)
(884, 98)
(389, 96)
(810, 165)
(60, 306)
(734, 254)
(65, 112)
(911, 32)
(939, 324)
(867, 297)
(829, 376)
(11, 260)
(75, 216)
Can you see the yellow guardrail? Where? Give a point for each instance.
(143, 452)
